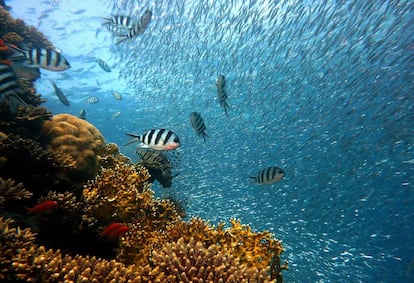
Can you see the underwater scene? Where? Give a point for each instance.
(206, 141)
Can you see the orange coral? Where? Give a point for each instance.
(78, 138)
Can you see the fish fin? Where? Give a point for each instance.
(17, 54)
(122, 39)
(135, 139)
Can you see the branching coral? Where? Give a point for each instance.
(9, 190)
(109, 156)
(79, 139)
(193, 261)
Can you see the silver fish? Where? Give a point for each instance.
(198, 124)
(59, 93)
(159, 139)
(92, 100)
(269, 176)
(222, 93)
(82, 114)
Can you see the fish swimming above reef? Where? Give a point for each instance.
(113, 231)
(59, 93)
(158, 139)
(44, 206)
(160, 164)
(9, 87)
(82, 114)
(222, 93)
(269, 176)
(198, 124)
(120, 22)
(137, 28)
(104, 66)
(45, 58)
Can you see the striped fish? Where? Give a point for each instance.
(92, 100)
(48, 59)
(158, 139)
(119, 21)
(103, 65)
(269, 176)
(160, 164)
(9, 88)
(198, 124)
(138, 28)
(221, 93)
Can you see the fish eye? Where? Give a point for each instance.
(177, 140)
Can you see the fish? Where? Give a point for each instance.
(92, 100)
(119, 21)
(114, 230)
(160, 164)
(9, 87)
(269, 176)
(104, 66)
(116, 115)
(59, 93)
(45, 58)
(116, 95)
(222, 93)
(44, 206)
(82, 114)
(25, 72)
(158, 139)
(137, 28)
(198, 124)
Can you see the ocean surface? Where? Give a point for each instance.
(322, 89)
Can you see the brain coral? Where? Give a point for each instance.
(79, 139)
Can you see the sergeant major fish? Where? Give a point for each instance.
(138, 28)
(104, 66)
(48, 59)
(9, 88)
(269, 176)
(221, 93)
(158, 139)
(198, 125)
(59, 93)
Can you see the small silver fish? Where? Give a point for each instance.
(92, 100)
(116, 115)
(59, 93)
(82, 114)
(269, 176)
(116, 95)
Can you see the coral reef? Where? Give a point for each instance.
(78, 138)
(16, 32)
(9, 190)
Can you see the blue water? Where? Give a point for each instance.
(322, 89)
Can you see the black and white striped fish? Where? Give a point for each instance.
(9, 88)
(159, 139)
(92, 100)
(137, 28)
(222, 93)
(269, 176)
(198, 124)
(162, 165)
(104, 66)
(48, 59)
(119, 21)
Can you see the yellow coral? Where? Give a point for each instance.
(78, 138)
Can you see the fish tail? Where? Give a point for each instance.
(17, 54)
(135, 139)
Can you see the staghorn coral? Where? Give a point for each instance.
(79, 139)
(193, 261)
(9, 190)
(109, 156)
